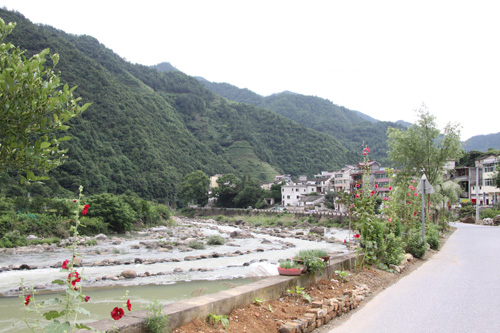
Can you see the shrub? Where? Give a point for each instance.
(156, 322)
(6, 205)
(51, 240)
(373, 241)
(91, 226)
(216, 240)
(316, 253)
(489, 213)
(394, 252)
(13, 239)
(314, 264)
(432, 238)
(188, 212)
(115, 212)
(416, 245)
(196, 245)
(467, 209)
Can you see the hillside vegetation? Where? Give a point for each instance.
(147, 129)
(352, 128)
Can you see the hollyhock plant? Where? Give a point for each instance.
(65, 320)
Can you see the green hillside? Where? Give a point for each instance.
(351, 128)
(147, 129)
(482, 142)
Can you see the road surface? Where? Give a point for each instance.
(457, 290)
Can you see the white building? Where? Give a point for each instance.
(488, 192)
(291, 194)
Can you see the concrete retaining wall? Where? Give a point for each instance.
(222, 303)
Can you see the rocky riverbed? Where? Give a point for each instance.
(163, 255)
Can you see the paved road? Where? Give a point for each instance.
(457, 290)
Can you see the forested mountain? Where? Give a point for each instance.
(482, 142)
(146, 129)
(352, 128)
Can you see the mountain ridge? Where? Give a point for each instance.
(147, 129)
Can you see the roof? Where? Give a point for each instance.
(311, 198)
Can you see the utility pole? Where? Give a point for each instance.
(477, 194)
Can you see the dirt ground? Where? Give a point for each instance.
(268, 316)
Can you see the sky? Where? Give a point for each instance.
(383, 58)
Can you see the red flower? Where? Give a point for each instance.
(415, 194)
(87, 298)
(376, 186)
(65, 264)
(390, 188)
(345, 241)
(117, 313)
(385, 198)
(74, 200)
(356, 236)
(414, 213)
(85, 210)
(129, 306)
(357, 195)
(409, 202)
(372, 192)
(27, 300)
(357, 185)
(73, 278)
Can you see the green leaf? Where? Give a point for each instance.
(83, 311)
(44, 145)
(66, 138)
(82, 327)
(51, 301)
(52, 315)
(57, 327)
(59, 282)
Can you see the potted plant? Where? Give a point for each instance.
(289, 267)
(313, 260)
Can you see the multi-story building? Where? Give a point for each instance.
(486, 192)
(342, 179)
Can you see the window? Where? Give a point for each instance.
(288, 197)
(296, 190)
(489, 182)
(489, 167)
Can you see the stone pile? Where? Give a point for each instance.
(321, 313)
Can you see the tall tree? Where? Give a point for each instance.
(32, 109)
(422, 148)
(195, 188)
(249, 194)
(227, 189)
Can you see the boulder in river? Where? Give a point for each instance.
(129, 274)
(100, 237)
(241, 234)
